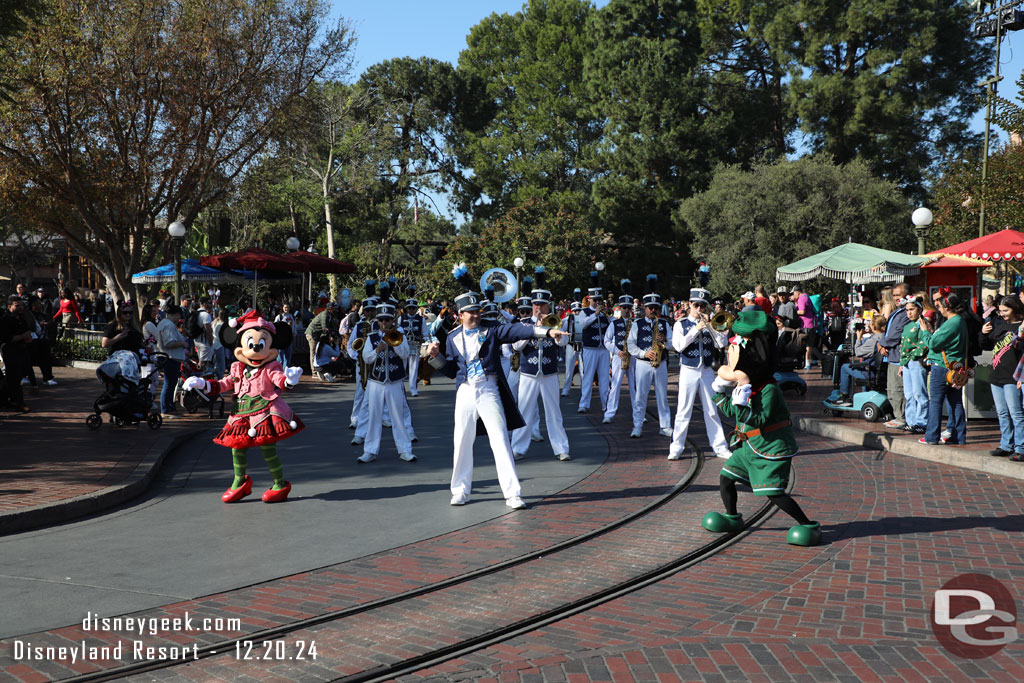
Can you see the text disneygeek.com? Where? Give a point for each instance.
(140, 650)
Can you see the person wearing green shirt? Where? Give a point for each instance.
(763, 442)
(948, 344)
(913, 367)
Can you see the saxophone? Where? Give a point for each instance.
(658, 344)
(625, 361)
(515, 360)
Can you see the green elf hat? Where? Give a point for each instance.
(747, 322)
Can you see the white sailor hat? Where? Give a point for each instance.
(524, 303)
(700, 295)
(594, 292)
(626, 298)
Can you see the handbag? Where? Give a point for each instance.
(957, 374)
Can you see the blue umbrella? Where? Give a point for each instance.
(191, 271)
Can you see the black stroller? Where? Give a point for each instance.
(126, 397)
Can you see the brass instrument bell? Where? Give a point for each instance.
(551, 320)
(722, 321)
(393, 337)
(357, 343)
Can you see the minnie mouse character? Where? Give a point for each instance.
(260, 417)
(763, 442)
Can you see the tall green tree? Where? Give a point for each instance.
(136, 113)
(655, 147)
(890, 81)
(748, 223)
(544, 130)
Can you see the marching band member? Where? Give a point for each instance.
(571, 325)
(387, 295)
(648, 342)
(482, 396)
(615, 342)
(593, 325)
(361, 330)
(539, 379)
(414, 326)
(695, 341)
(385, 367)
(509, 356)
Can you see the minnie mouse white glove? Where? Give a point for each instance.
(292, 375)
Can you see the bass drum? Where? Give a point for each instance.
(228, 336)
(425, 370)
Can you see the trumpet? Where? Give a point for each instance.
(393, 337)
(551, 320)
(722, 321)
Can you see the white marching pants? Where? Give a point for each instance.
(595, 363)
(359, 399)
(570, 370)
(645, 376)
(412, 367)
(363, 418)
(694, 382)
(506, 367)
(380, 394)
(616, 385)
(531, 388)
(481, 400)
(513, 382)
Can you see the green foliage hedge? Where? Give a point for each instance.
(69, 348)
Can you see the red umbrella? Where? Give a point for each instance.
(255, 258)
(1005, 245)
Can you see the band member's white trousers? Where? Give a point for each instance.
(481, 400)
(595, 363)
(645, 376)
(616, 385)
(695, 382)
(532, 388)
(391, 394)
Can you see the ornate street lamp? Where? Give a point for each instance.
(518, 263)
(177, 232)
(922, 219)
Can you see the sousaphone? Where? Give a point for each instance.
(504, 283)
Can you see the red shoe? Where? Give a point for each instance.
(235, 495)
(272, 496)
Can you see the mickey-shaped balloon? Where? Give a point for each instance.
(261, 417)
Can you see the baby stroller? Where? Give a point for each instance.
(126, 396)
(192, 401)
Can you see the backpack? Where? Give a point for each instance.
(193, 329)
(835, 324)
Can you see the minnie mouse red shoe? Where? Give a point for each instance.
(235, 495)
(272, 496)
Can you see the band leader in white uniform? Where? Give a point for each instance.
(385, 366)
(539, 380)
(639, 343)
(695, 341)
(473, 358)
(615, 342)
(594, 324)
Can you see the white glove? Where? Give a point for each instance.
(720, 386)
(741, 395)
(195, 383)
(292, 375)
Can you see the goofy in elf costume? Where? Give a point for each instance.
(260, 418)
(763, 442)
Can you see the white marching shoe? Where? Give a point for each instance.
(408, 457)
(366, 457)
(460, 499)
(516, 503)
(564, 456)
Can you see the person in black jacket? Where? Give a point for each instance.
(14, 340)
(1001, 334)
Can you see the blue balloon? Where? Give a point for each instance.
(345, 298)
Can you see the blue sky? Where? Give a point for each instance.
(386, 29)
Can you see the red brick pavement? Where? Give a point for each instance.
(635, 474)
(853, 609)
(49, 454)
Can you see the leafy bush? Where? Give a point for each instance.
(69, 348)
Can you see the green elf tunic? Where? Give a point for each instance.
(768, 444)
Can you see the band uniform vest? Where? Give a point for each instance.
(593, 336)
(645, 333)
(546, 359)
(413, 326)
(620, 333)
(387, 367)
(691, 356)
